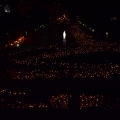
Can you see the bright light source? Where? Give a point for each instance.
(7, 8)
(11, 44)
(18, 44)
(106, 33)
(93, 30)
(64, 35)
(64, 38)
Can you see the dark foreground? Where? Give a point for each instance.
(58, 115)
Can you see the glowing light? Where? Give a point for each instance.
(7, 8)
(64, 38)
(64, 35)
(18, 44)
(106, 33)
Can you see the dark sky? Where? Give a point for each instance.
(91, 9)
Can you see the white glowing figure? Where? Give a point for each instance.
(64, 38)
(64, 35)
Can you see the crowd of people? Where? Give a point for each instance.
(86, 42)
(97, 101)
(44, 71)
(44, 62)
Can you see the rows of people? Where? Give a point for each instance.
(88, 43)
(66, 69)
(61, 101)
(23, 62)
(44, 63)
